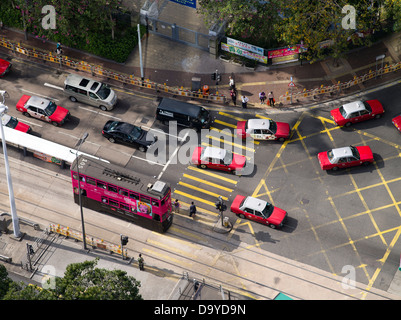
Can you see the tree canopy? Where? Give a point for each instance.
(323, 26)
(81, 281)
(76, 20)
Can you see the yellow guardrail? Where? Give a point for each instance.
(69, 62)
(339, 87)
(94, 242)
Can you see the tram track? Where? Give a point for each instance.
(219, 248)
(175, 268)
(263, 268)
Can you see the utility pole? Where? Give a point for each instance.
(85, 135)
(140, 52)
(15, 220)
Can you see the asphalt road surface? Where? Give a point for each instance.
(336, 221)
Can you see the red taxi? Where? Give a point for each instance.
(14, 123)
(345, 157)
(263, 129)
(43, 109)
(5, 67)
(258, 210)
(397, 122)
(219, 159)
(357, 111)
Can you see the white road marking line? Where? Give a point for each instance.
(52, 86)
(40, 95)
(172, 156)
(96, 111)
(160, 131)
(148, 161)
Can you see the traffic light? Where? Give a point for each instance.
(218, 77)
(220, 206)
(124, 240)
(214, 76)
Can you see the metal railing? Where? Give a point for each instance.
(98, 70)
(339, 87)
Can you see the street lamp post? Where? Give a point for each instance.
(79, 189)
(15, 220)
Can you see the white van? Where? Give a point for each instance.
(89, 91)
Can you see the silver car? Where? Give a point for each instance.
(89, 91)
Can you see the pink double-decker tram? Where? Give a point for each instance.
(122, 193)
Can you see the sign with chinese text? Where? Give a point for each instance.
(287, 54)
(245, 46)
(287, 51)
(244, 53)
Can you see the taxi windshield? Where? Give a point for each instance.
(355, 152)
(103, 92)
(343, 112)
(267, 211)
(367, 106)
(228, 158)
(273, 126)
(51, 107)
(330, 155)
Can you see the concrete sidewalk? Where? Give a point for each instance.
(162, 281)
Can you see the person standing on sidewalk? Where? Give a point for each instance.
(58, 48)
(176, 206)
(271, 99)
(192, 209)
(233, 95)
(244, 102)
(141, 263)
(231, 83)
(262, 97)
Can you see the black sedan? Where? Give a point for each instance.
(117, 131)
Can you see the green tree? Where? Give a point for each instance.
(392, 14)
(5, 281)
(76, 20)
(279, 23)
(21, 291)
(252, 20)
(82, 281)
(315, 22)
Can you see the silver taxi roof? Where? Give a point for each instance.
(354, 107)
(213, 152)
(38, 102)
(254, 204)
(342, 152)
(259, 124)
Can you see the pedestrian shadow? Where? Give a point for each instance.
(264, 236)
(243, 93)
